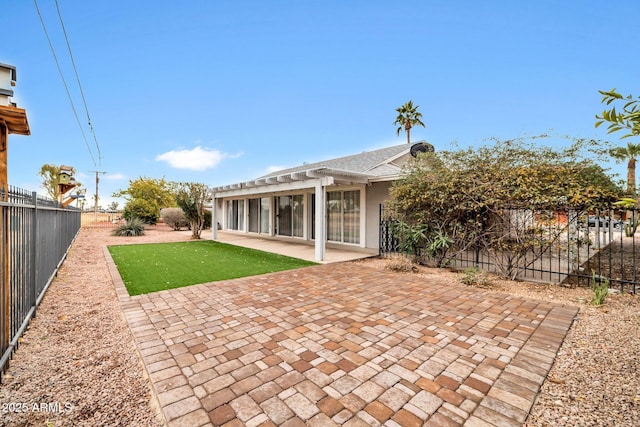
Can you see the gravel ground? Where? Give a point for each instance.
(77, 364)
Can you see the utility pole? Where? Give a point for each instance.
(95, 206)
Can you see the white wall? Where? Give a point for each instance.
(377, 193)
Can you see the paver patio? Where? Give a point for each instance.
(343, 344)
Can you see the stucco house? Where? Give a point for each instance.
(338, 199)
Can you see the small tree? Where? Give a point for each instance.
(145, 197)
(142, 209)
(191, 197)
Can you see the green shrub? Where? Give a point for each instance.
(174, 218)
(208, 218)
(132, 227)
(473, 276)
(600, 289)
(411, 236)
(147, 211)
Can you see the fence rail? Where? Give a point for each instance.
(36, 234)
(569, 246)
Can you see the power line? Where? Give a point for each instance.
(53, 52)
(73, 62)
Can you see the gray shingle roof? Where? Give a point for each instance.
(368, 162)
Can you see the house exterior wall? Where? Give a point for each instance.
(371, 196)
(377, 193)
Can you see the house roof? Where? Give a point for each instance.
(382, 164)
(368, 162)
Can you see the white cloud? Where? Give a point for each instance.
(197, 159)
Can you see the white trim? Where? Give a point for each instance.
(275, 188)
(391, 159)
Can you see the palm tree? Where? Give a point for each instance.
(408, 116)
(630, 153)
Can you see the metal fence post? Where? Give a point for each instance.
(5, 318)
(34, 252)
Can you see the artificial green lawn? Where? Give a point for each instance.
(154, 267)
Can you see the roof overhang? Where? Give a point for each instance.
(292, 180)
(15, 119)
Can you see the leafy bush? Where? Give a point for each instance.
(474, 276)
(142, 209)
(401, 263)
(208, 218)
(132, 227)
(485, 198)
(411, 236)
(174, 218)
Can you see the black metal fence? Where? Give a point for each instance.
(35, 234)
(566, 245)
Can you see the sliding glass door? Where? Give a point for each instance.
(254, 215)
(290, 215)
(351, 216)
(334, 216)
(343, 216)
(259, 215)
(265, 209)
(235, 215)
(284, 216)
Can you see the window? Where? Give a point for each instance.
(343, 216)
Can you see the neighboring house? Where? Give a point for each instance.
(338, 199)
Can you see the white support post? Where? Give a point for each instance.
(321, 218)
(214, 218)
(321, 208)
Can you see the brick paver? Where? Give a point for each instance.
(344, 344)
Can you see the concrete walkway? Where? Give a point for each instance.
(294, 248)
(343, 344)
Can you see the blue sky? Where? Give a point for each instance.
(224, 91)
